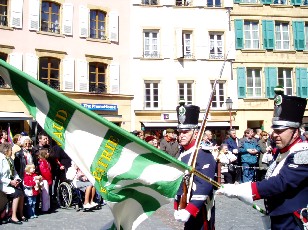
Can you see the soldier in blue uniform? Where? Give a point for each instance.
(198, 210)
(285, 188)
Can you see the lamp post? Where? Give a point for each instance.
(229, 103)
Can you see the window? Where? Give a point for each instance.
(182, 2)
(306, 35)
(213, 3)
(285, 80)
(3, 56)
(50, 17)
(150, 2)
(3, 13)
(219, 96)
(185, 91)
(97, 24)
(249, 1)
(187, 45)
(282, 2)
(151, 95)
(251, 35)
(305, 2)
(151, 44)
(97, 77)
(216, 46)
(49, 69)
(282, 36)
(254, 83)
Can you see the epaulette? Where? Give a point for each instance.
(301, 157)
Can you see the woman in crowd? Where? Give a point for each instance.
(226, 158)
(23, 156)
(265, 157)
(10, 183)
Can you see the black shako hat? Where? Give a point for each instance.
(188, 116)
(288, 111)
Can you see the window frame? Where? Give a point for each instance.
(187, 49)
(306, 35)
(151, 86)
(187, 85)
(219, 97)
(215, 41)
(97, 77)
(98, 32)
(251, 32)
(254, 82)
(150, 52)
(283, 80)
(4, 15)
(50, 22)
(280, 39)
(49, 70)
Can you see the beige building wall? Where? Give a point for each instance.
(257, 112)
(23, 45)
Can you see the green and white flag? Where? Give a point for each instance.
(134, 177)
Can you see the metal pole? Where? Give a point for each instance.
(230, 119)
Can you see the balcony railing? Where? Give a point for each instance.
(216, 56)
(97, 89)
(189, 56)
(183, 3)
(150, 2)
(153, 54)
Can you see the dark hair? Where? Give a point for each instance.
(231, 130)
(5, 147)
(43, 153)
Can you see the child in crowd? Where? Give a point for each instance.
(30, 191)
(45, 170)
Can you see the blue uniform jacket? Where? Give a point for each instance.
(288, 190)
(231, 144)
(205, 164)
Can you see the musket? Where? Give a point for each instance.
(196, 146)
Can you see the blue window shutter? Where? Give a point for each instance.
(301, 82)
(237, 1)
(296, 2)
(268, 34)
(266, 1)
(299, 35)
(271, 81)
(239, 34)
(241, 82)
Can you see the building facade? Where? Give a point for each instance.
(74, 47)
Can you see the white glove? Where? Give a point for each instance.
(175, 214)
(241, 191)
(182, 215)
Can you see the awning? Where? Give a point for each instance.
(14, 116)
(164, 125)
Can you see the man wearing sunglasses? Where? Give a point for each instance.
(285, 187)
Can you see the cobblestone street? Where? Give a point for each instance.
(231, 214)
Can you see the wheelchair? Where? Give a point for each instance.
(69, 196)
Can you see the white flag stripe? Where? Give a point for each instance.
(124, 163)
(40, 99)
(84, 139)
(135, 210)
(159, 197)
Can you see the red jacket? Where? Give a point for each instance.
(29, 182)
(45, 170)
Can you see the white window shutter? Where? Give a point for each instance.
(83, 21)
(231, 52)
(114, 26)
(179, 43)
(167, 2)
(82, 76)
(34, 15)
(68, 74)
(16, 60)
(31, 64)
(114, 78)
(16, 13)
(67, 22)
(202, 46)
(199, 3)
